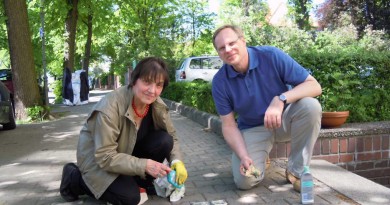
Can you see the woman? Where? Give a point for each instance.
(124, 141)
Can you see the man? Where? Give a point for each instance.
(254, 83)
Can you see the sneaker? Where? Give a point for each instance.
(177, 194)
(65, 191)
(144, 196)
(295, 181)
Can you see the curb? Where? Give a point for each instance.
(211, 122)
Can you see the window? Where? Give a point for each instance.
(215, 63)
(196, 63)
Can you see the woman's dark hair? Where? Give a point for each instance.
(151, 69)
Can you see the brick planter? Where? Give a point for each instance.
(362, 148)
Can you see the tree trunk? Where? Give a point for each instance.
(88, 44)
(26, 90)
(70, 34)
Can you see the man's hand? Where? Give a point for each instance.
(181, 172)
(246, 162)
(273, 114)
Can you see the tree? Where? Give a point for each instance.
(141, 28)
(26, 93)
(88, 44)
(70, 34)
(362, 13)
(192, 25)
(250, 15)
(300, 11)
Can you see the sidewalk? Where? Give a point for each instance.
(32, 157)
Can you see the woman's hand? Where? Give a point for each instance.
(181, 171)
(156, 169)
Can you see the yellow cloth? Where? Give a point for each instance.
(181, 172)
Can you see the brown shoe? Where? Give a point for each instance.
(295, 181)
(267, 163)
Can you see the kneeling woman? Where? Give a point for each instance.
(124, 141)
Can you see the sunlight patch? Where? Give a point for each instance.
(2, 184)
(248, 199)
(27, 173)
(11, 165)
(209, 175)
(379, 200)
(275, 188)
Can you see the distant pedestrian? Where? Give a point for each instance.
(254, 83)
(124, 141)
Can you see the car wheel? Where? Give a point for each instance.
(11, 125)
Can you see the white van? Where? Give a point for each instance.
(198, 68)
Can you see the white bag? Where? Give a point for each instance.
(165, 189)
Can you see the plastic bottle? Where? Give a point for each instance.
(307, 185)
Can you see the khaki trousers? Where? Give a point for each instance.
(301, 123)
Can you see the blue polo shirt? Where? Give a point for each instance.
(270, 73)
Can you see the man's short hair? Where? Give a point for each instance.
(235, 28)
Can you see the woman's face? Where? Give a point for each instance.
(147, 89)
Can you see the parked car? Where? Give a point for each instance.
(6, 78)
(7, 109)
(7, 116)
(198, 68)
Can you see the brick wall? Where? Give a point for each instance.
(360, 148)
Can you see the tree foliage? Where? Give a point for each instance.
(361, 13)
(300, 11)
(250, 15)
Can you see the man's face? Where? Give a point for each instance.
(230, 46)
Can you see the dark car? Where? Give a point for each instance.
(7, 110)
(6, 78)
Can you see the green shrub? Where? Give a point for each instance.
(37, 113)
(57, 90)
(356, 81)
(175, 91)
(193, 94)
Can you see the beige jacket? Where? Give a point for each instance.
(108, 137)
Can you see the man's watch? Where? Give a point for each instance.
(283, 98)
